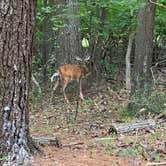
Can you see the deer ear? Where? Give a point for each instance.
(87, 58)
(78, 58)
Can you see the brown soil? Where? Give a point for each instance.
(75, 157)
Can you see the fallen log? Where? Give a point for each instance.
(129, 127)
(53, 141)
(47, 141)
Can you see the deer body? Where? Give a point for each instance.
(73, 71)
(70, 72)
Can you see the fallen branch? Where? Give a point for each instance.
(47, 141)
(151, 164)
(125, 128)
(73, 144)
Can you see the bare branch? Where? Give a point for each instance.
(36, 83)
(158, 4)
(154, 164)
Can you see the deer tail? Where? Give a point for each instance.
(55, 76)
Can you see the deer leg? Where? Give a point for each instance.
(65, 82)
(54, 88)
(56, 85)
(81, 94)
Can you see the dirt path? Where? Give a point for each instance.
(76, 157)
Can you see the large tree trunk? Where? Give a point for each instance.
(144, 48)
(17, 20)
(143, 54)
(69, 36)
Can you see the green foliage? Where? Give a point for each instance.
(154, 102)
(4, 158)
(160, 29)
(118, 19)
(124, 114)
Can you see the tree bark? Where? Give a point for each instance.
(17, 20)
(47, 41)
(69, 40)
(144, 48)
(97, 44)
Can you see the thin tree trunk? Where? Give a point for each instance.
(17, 19)
(45, 50)
(128, 65)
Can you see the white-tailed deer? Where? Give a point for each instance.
(70, 72)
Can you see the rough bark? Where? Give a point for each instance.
(69, 36)
(17, 20)
(144, 48)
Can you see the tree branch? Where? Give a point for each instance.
(158, 4)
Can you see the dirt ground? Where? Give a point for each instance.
(77, 157)
(78, 124)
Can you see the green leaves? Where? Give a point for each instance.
(85, 43)
(46, 10)
(108, 16)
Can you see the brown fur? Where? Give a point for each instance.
(69, 72)
(73, 71)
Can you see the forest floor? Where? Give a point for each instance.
(82, 128)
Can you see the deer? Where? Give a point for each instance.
(69, 72)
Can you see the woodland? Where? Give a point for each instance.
(83, 82)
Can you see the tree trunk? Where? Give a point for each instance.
(144, 48)
(69, 42)
(17, 19)
(47, 41)
(45, 44)
(128, 65)
(143, 54)
(97, 43)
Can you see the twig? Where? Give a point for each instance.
(153, 75)
(76, 111)
(159, 4)
(73, 144)
(151, 164)
(136, 135)
(155, 66)
(36, 83)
